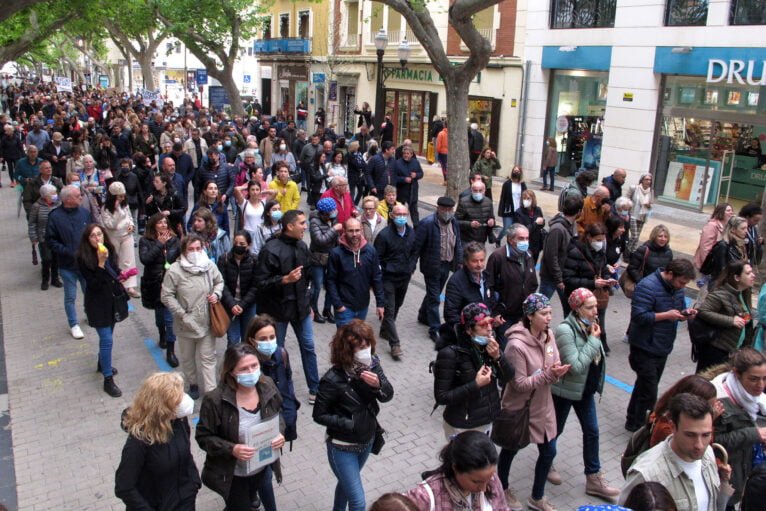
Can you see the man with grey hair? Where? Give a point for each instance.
(512, 275)
(63, 232)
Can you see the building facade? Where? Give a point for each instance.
(670, 87)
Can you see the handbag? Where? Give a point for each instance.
(510, 430)
(627, 284)
(119, 296)
(219, 318)
(601, 293)
(379, 441)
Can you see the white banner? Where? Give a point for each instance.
(149, 96)
(63, 84)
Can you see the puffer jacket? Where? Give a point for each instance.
(466, 404)
(657, 257)
(278, 257)
(583, 266)
(32, 190)
(323, 236)
(351, 274)
(154, 255)
(218, 431)
(38, 220)
(348, 407)
(461, 290)
(242, 274)
(556, 248)
(652, 295)
(532, 359)
(579, 349)
(394, 253)
(509, 282)
(718, 309)
(469, 210)
(185, 294)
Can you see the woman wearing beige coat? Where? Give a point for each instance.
(118, 224)
(531, 350)
(190, 285)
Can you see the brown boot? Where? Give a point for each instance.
(553, 476)
(513, 503)
(596, 485)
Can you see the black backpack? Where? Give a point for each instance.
(708, 265)
(638, 443)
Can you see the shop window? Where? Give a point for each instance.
(582, 13)
(576, 119)
(748, 12)
(352, 22)
(304, 30)
(284, 26)
(686, 13)
(266, 24)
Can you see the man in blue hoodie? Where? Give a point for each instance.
(352, 269)
(65, 227)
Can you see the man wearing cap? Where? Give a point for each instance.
(57, 152)
(438, 246)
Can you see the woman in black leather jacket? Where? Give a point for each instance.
(651, 255)
(347, 404)
(164, 199)
(467, 373)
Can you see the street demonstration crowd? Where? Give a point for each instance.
(104, 181)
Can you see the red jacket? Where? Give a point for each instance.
(344, 205)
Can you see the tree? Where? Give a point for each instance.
(212, 30)
(26, 29)
(457, 78)
(8, 9)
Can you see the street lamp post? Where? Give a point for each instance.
(381, 41)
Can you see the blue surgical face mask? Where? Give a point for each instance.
(54, 198)
(585, 322)
(478, 197)
(249, 379)
(219, 147)
(522, 246)
(400, 221)
(276, 215)
(227, 143)
(267, 347)
(333, 214)
(481, 340)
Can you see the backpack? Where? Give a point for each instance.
(638, 443)
(708, 265)
(570, 189)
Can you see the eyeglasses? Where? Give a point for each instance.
(369, 209)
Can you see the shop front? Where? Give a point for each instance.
(292, 88)
(576, 104)
(711, 127)
(411, 112)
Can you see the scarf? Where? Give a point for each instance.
(642, 198)
(751, 404)
(191, 268)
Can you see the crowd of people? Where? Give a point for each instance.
(212, 206)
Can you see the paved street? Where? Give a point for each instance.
(66, 435)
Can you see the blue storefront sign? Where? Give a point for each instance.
(744, 66)
(593, 58)
(201, 76)
(318, 77)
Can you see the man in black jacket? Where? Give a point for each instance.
(283, 279)
(470, 284)
(352, 269)
(614, 184)
(562, 229)
(394, 244)
(475, 215)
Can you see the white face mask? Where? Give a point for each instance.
(185, 407)
(527, 203)
(364, 356)
(198, 258)
(597, 245)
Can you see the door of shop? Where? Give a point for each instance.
(707, 157)
(411, 112)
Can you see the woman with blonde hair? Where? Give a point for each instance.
(655, 253)
(157, 470)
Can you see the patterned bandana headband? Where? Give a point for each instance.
(578, 297)
(534, 303)
(473, 313)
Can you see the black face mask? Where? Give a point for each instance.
(239, 250)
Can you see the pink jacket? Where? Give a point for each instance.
(442, 501)
(711, 234)
(532, 359)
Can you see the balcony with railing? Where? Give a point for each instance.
(582, 13)
(394, 37)
(283, 46)
(486, 33)
(748, 12)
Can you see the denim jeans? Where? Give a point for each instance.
(507, 223)
(347, 467)
(342, 318)
(243, 492)
(548, 287)
(429, 308)
(305, 334)
(546, 453)
(549, 171)
(163, 319)
(318, 274)
(648, 368)
(585, 409)
(105, 349)
(238, 325)
(394, 291)
(70, 278)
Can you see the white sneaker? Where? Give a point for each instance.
(77, 332)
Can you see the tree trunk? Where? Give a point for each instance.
(458, 161)
(129, 58)
(147, 71)
(227, 81)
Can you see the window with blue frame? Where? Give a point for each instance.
(582, 13)
(686, 13)
(747, 12)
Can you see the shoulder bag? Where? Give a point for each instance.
(119, 295)
(601, 293)
(219, 318)
(627, 284)
(510, 430)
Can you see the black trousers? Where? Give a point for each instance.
(395, 291)
(648, 368)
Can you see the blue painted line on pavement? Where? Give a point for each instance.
(619, 384)
(130, 307)
(689, 302)
(157, 354)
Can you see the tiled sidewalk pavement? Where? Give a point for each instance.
(66, 435)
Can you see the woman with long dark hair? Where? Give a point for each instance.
(98, 262)
(165, 199)
(217, 243)
(238, 269)
(270, 227)
(210, 199)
